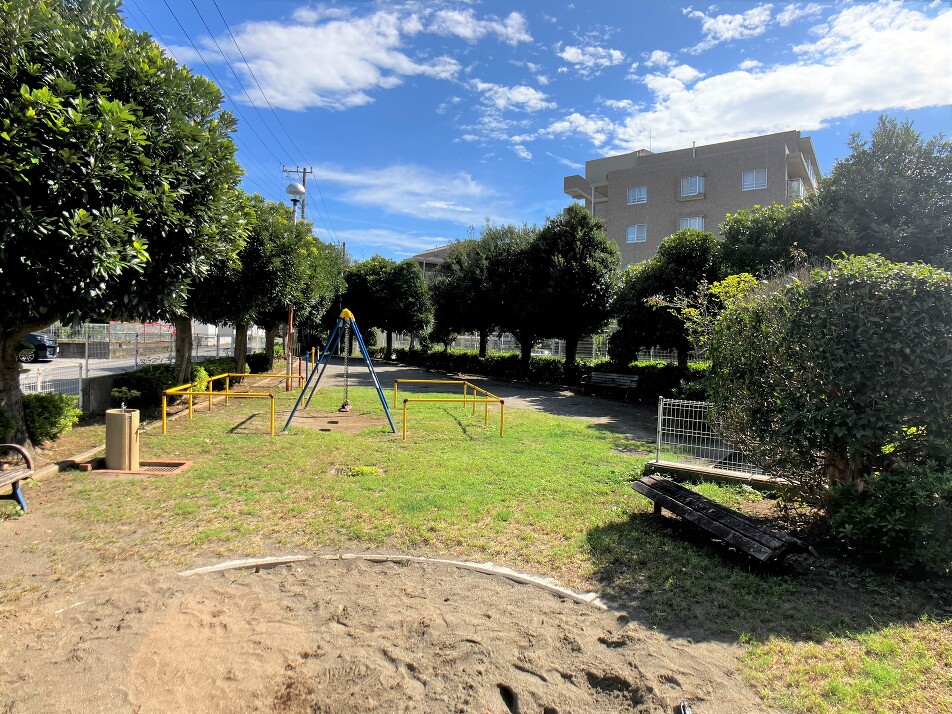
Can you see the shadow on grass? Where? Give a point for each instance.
(674, 577)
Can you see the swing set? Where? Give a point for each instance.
(343, 329)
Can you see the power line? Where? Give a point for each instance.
(276, 116)
(221, 86)
(250, 157)
(238, 79)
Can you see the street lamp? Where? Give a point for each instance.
(296, 192)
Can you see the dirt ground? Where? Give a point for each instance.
(329, 635)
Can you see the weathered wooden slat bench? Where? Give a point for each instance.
(609, 380)
(745, 534)
(15, 465)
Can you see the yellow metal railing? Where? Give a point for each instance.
(486, 400)
(180, 391)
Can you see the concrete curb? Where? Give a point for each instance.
(547, 584)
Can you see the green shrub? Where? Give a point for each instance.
(49, 415)
(124, 395)
(840, 375)
(901, 519)
(257, 362)
(150, 381)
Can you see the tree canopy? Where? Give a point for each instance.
(117, 173)
(684, 260)
(577, 276)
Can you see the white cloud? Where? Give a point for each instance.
(860, 63)
(522, 152)
(313, 14)
(625, 105)
(413, 190)
(590, 61)
(364, 242)
(566, 162)
(795, 11)
(658, 58)
(685, 73)
(464, 24)
(519, 97)
(726, 28)
(335, 64)
(749, 64)
(597, 129)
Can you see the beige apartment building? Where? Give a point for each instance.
(644, 197)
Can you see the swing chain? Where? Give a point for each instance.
(346, 405)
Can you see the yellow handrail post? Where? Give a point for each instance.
(164, 420)
(474, 400)
(208, 386)
(486, 413)
(191, 395)
(395, 383)
(405, 402)
(502, 416)
(227, 382)
(272, 414)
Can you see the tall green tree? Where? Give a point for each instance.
(366, 291)
(684, 260)
(763, 240)
(515, 284)
(891, 196)
(577, 269)
(462, 293)
(116, 167)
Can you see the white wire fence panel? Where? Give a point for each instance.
(62, 380)
(688, 436)
(590, 348)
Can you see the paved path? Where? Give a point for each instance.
(637, 421)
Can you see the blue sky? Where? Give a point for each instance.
(424, 119)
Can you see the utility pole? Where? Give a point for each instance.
(297, 192)
(302, 172)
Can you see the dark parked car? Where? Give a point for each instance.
(37, 346)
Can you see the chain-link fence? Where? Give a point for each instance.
(688, 436)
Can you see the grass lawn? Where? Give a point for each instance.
(551, 497)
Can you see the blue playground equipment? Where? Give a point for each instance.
(345, 324)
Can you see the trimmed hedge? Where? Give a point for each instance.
(150, 381)
(655, 378)
(49, 415)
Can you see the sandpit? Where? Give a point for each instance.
(331, 636)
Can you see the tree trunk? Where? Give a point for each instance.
(571, 350)
(683, 360)
(483, 341)
(525, 355)
(241, 346)
(11, 398)
(389, 344)
(269, 336)
(183, 350)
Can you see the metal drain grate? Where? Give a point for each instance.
(160, 469)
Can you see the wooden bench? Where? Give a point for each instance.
(13, 470)
(610, 380)
(745, 534)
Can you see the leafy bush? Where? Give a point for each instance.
(124, 395)
(900, 518)
(49, 415)
(257, 362)
(150, 381)
(838, 376)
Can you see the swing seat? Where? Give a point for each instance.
(345, 407)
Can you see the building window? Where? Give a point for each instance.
(754, 179)
(637, 194)
(637, 233)
(795, 189)
(692, 185)
(695, 222)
